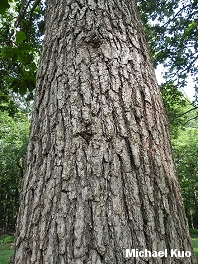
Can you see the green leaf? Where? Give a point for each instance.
(7, 52)
(22, 57)
(4, 6)
(15, 85)
(23, 88)
(20, 37)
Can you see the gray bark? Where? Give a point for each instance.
(100, 176)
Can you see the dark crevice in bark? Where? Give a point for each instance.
(123, 106)
(137, 117)
(132, 162)
(115, 120)
(41, 256)
(125, 203)
(87, 133)
(72, 236)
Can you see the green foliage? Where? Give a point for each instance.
(171, 29)
(186, 157)
(193, 232)
(20, 45)
(6, 239)
(175, 104)
(170, 26)
(182, 116)
(20, 37)
(13, 144)
(195, 246)
(5, 255)
(6, 248)
(4, 6)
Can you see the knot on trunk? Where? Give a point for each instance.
(93, 39)
(86, 134)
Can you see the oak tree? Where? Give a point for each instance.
(100, 177)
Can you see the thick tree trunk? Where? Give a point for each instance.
(100, 176)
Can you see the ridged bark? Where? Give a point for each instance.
(100, 175)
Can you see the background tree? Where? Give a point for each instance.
(181, 112)
(13, 146)
(170, 26)
(187, 164)
(171, 29)
(182, 117)
(21, 24)
(100, 176)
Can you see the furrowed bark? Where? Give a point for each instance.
(100, 176)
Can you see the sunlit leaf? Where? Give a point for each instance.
(20, 37)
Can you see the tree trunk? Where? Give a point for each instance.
(100, 176)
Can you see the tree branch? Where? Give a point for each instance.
(22, 13)
(194, 108)
(171, 19)
(193, 118)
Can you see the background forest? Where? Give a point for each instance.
(171, 31)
